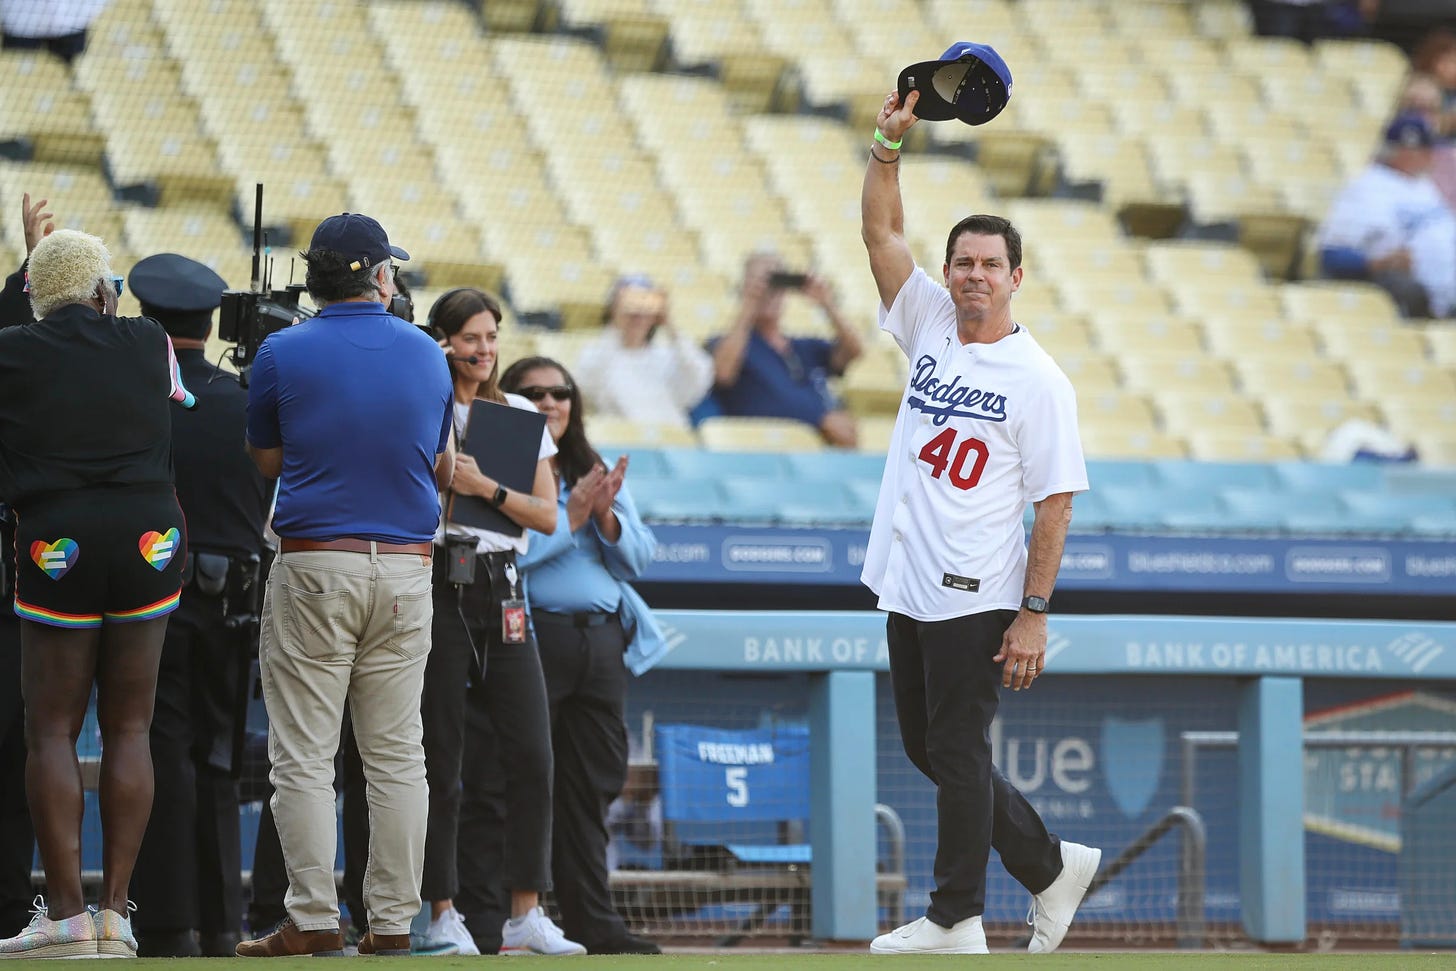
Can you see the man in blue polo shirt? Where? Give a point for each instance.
(351, 411)
(759, 371)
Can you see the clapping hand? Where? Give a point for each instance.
(581, 504)
(611, 484)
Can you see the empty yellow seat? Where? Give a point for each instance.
(733, 434)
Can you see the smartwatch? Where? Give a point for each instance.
(1037, 605)
(499, 499)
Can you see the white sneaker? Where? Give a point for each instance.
(535, 933)
(449, 929)
(925, 936)
(1052, 910)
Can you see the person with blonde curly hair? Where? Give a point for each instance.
(86, 464)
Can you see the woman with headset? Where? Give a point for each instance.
(486, 730)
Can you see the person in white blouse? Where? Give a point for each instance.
(641, 367)
(486, 730)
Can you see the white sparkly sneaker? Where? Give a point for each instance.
(74, 937)
(1052, 910)
(535, 933)
(925, 936)
(114, 937)
(449, 928)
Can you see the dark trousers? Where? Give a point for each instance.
(188, 873)
(67, 47)
(504, 827)
(270, 877)
(1303, 22)
(586, 683)
(946, 692)
(17, 838)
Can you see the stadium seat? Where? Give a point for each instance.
(1218, 444)
(758, 434)
(627, 434)
(679, 500)
(686, 463)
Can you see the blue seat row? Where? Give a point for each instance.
(840, 489)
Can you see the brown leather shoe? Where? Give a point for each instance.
(289, 941)
(385, 945)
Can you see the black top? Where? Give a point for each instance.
(14, 304)
(221, 493)
(84, 401)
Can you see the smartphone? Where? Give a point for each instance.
(785, 280)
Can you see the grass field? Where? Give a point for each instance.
(851, 961)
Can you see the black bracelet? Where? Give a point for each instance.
(499, 498)
(884, 161)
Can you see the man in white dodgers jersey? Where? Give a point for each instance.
(988, 424)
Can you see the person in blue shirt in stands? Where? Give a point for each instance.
(592, 628)
(351, 412)
(759, 371)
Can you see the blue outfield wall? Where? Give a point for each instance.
(1095, 745)
(1210, 564)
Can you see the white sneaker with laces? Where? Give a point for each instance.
(535, 933)
(925, 936)
(1052, 910)
(449, 928)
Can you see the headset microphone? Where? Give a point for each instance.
(472, 359)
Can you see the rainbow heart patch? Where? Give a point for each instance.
(55, 559)
(158, 548)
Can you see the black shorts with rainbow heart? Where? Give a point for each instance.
(110, 554)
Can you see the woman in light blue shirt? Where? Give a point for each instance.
(591, 628)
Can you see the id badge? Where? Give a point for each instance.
(513, 621)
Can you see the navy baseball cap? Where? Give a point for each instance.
(357, 237)
(969, 81)
(1410, 131)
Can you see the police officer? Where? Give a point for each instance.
(188, 876)
(17, 838)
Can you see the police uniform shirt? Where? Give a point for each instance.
(218, 486)
(84, 402)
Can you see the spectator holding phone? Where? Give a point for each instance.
(641, 367)
(760, 371)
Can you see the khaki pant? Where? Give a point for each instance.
(349, 627)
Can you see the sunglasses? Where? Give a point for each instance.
(561, 392)
(120, 283)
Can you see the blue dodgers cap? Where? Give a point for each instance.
(969, 81)
(357, 237)
(1410, 131)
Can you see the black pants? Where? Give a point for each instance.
(946, 692)
(188, 873)
(504, 822)
(17, 838)
(270, 877)
(67, 47)
(586, 683)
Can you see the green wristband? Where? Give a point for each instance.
(880, 137)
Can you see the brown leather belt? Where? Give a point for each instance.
(349, 544)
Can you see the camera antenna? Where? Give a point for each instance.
(268, 265)
(257, 234)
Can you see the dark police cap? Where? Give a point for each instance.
(168, 283)
(969, 81)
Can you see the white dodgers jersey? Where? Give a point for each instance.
(983, 430)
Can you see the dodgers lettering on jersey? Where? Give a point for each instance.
(983, 429)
